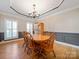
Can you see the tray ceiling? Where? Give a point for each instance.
(42, 5)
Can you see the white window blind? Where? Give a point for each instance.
(11, 29)
(29, 27)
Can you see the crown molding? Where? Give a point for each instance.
(3, 13)
(17, 16)
(66, 10)
(9, 14)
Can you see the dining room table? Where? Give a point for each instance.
(41, 40)
(39, 43)
(40, 37)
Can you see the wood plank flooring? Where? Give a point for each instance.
(14, 50)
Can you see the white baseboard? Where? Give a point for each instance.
(10, 41)
(70, 45)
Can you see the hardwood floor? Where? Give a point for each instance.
(14, 50)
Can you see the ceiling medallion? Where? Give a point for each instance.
(34, 8)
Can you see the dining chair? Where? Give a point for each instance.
(31, 46)
(37, 50)
(48, 44)
(27, 40)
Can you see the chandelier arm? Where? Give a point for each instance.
(52, 9)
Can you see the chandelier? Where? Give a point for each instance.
(34, 14)
(34, 8)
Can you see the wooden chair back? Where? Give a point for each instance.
(25, 34)
(28, 41)
(49, 42)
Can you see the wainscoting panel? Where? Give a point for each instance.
(20, 35)
(60, 37)
(71, 38)
(1, 36)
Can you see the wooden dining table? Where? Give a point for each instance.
(40, 37)
(42, 44)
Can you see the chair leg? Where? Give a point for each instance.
(25, 47)
(54, 53)
(29, 51)
(23, 44)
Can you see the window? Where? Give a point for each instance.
(29, 27)
(11, 29)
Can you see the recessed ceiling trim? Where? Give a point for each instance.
(40, 14)
(53, 8)
(21, 13)
(18, 12)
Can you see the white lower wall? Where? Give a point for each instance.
(64, 22)
(1, 24)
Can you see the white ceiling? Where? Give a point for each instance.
(5, 6)
(42, 6)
